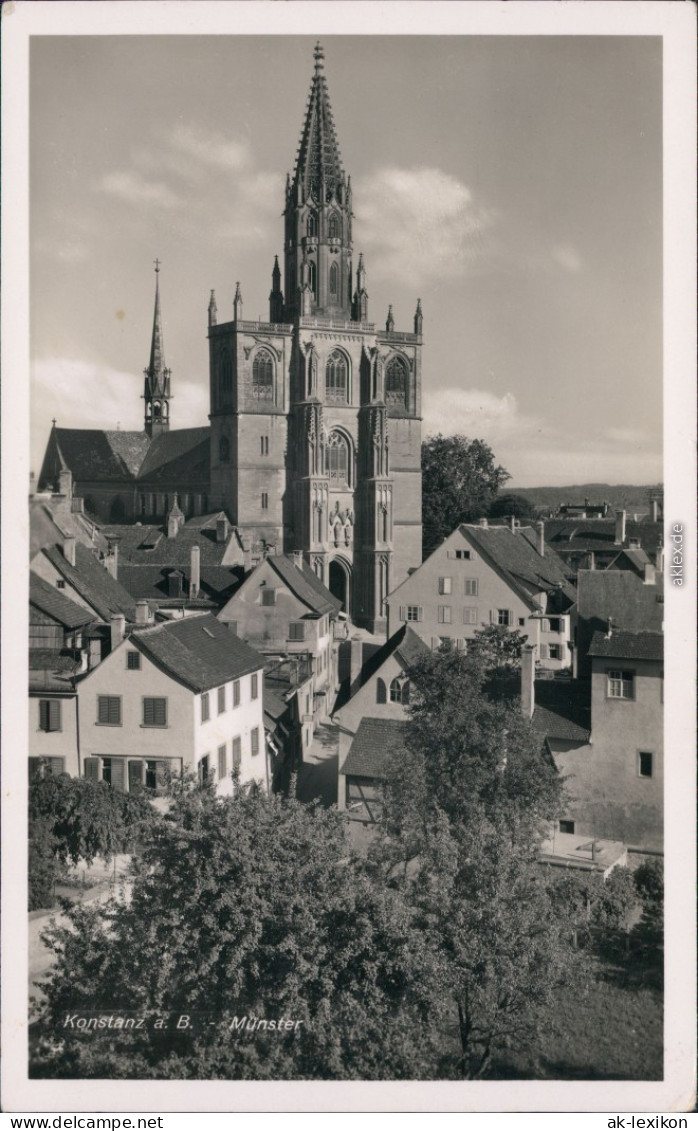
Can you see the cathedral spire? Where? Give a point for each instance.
(319, 164)
(237, 304)
(276, 298)
(212, 310)
(418, 319)
(157, 376)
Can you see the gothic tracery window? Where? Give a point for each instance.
(334, 280)
(263, 376)
(337, 458)
(336, 377)
(334, 229)
(311, 226)
(396, 382)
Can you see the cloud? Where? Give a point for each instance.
(131, 186)
(626, 435)
(211, 148)
(566, 256)
(420, 224)
(83, 394)
(476, 414)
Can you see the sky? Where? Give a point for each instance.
(512, 183)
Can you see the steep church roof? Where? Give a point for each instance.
(96, 455)
(319, 161)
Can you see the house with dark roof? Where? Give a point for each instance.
(481, 575)
(59, 514)
(76, 572)
(381, 690)
(630, 601)
(59, 649)
(599, 543)
(284, 611)
(606, 738)
(182, 695)
(376, 744)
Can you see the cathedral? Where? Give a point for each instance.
(315, 416)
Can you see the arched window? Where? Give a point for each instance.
(400, 690)
(396, 382)
(226, 380)
(336, 377)
(224, 449)
(334, 229)
(337, 458)
(263, 376)
(334, 280)
(381, 696)
(312, 276)
(311, 226)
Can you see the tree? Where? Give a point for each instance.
(513, 506)
(498, 648)
(242, 908)
(459, 482)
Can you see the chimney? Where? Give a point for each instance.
(528, 673)
(195, 573)
(65, 483)
(512, 523)
(659, 557)
(620, 528)
(142, 614)
(540, 528)
(654, 504)
(609, 628)
(482, 522)
(77, 504)
(222, 529)
(111, 561)
(69, 550)
(575, 660)
(649, 573)
(118, 629)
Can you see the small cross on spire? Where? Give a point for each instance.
(157, 266)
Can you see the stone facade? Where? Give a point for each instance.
(316, 414)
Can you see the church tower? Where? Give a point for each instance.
(156, 393)
(316, 414)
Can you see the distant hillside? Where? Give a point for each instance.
(620, 496)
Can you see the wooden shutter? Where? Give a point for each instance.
(544, 652)
(118, 773)
(420, 612)
(237, 753)
(493, 616)
(222, 762)
(44, 705)
(109, 710)
(155, 712)
(254, 740)
(93, 769)
(403, 613)
(136, 773)
(221, 700)
(380, 691)
(57, 765)
(511, 618)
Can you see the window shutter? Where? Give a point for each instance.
(92, 769)
(403, 613)
(136, 773)
(118, 773)
(44, 714)
(493, 617)
(544, 652)
(222, 762)
(34, 767)
(420, 612)
(435, 641)
(511, 618)
(380, 692)
(237, 753)
(57, 765)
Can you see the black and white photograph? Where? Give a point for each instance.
(348, 420)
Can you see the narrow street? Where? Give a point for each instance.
(318, 774)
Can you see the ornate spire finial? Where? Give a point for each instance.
(390, 321)
(319, 57)
(157, 266)
(157, 376)
(318, 161)
(418, 319)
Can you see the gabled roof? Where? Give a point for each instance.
(562, 710)
(183, 454)
(149, 544)
(599, 534)
(217, 583)
(405, 645)
(47, 598)
(93, 582)
(628, 645)
(115, 456)
(516, 556)
(622, 595)
(198, 651)
(374, 744)
(305, 585)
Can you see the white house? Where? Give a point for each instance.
(187, 694)
(482, 575)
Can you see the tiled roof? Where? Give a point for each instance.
(47, 598)
(305, 585)
(623, 595)
(374, 743)
(182, 455)
(628, 645)
(198, 651)
(599, 534)
(150, 581)
(562, 710)
(517, 557)
(93, 582)
(149, 544)
(405, 644)
(51, 670)
(52, 519)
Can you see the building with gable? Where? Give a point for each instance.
(482, 575)
(314, 444)
(183, 695)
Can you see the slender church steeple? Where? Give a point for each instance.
(157, 376)
(318, 214)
